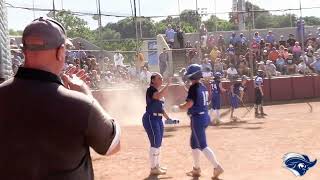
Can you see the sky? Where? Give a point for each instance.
(18, 18)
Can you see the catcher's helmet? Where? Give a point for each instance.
(194, 72)
(260, 73)
(217, 75)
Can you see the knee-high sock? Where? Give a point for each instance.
(196, 158)
(210, 156)
(153, 157)
(218, 113)
(158, 157)
(211, 114)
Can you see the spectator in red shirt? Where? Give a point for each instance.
(273, 55)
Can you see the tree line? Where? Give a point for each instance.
(110, 36)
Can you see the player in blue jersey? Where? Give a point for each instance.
(258, 83)
(197, 106)
(236, 94)
(152, 121)
(216, 89)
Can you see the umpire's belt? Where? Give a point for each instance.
(199, 113)
(157, 114)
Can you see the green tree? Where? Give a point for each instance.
(15, 33)
(188, 28)
(106, 34)
(127, 28)
(160, 27)
(222, 25)
(311, 20)
(263, 21)
(191, 17)
(286, 20)
(75, 26)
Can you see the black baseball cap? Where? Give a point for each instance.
(44, 34)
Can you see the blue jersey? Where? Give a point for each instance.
(153, 105)
(237, 87)
(215, 87)
(199, 95)
(258, 82)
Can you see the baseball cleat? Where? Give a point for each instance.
(196, 172)
(217, 172)
(162, 168)
(157, 171)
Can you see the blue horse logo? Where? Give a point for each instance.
(297, 163)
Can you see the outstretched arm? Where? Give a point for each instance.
(165, 115)
(188, 104)
(158, 95)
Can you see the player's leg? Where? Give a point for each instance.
(152, 128)
(200, 128)
(231, 106)
(212, 109)
(160, 122)
(147, 124)
(234, 105)
(256, 104)
(261, 108)
(217, 108)
(259, 103)
(194, 143)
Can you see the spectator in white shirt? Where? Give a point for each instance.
(118, 59)
(145, 76)
(303, 68)
(132, 71)
(232, 72)
(271, 69)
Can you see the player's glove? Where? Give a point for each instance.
(171, 121)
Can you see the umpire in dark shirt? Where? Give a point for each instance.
(46, 125)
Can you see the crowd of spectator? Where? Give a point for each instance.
(103, 71)
(106, 72)
(231, 57)
(239, 55)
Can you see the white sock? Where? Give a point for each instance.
(218, 113)
(158, 157)
(153, 157)
(211, 112)
(196, 158)
(210, 156)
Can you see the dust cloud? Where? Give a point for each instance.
(127, 106)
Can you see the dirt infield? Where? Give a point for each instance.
(248, 150)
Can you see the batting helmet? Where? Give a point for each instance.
(194, 72)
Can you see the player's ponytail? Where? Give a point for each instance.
(153, 76)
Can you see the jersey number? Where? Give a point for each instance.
(214, 86)
(205, 96)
